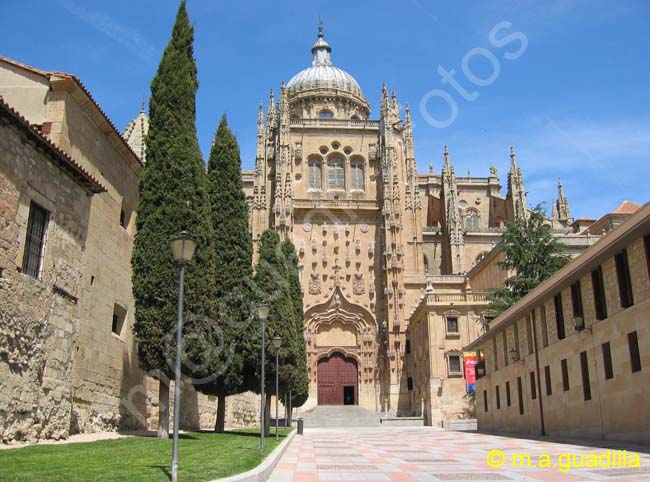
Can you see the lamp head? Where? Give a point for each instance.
(277, 341)
(183, 247)
(263, 311)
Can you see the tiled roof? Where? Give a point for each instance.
(626, 207)
(65, 75)
(71, 167)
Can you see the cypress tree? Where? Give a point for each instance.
(173, 197)
(233, 255)
(272, 286)
(300, 380)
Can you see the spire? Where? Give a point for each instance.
(321, 50)
(394, 101)
(516, 191)
(136, 131)
(260, 115)
(270, 114)
(384, 96)
(407, 111)
(562, 203)
(446, 165)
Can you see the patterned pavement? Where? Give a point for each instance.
(429, 454)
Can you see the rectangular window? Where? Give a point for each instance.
(315, 172)
(542, 320)
(498, 395)
(356, 175)
(454, 365)
(624, 281)
(599, 293)
(485, 402)
(119, 315)
(559, 317)
(533, 386)
(409, 384)
(635, 356)
(35, 240)
(515, 355)
(520, 396)
(646, 242)
(565, 374)
(576, 302)
(494, 352)
(336, 174)
(586, 384)
(407, 347)
(547, 377)
(504, 338)
(508, 400)
(529, 331)
(607, 361)
(452, 325)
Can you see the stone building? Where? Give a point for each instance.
(572, 357)
(69, 186)
(373, 235)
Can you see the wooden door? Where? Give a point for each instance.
(335, 373)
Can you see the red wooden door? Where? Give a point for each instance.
(334, 374)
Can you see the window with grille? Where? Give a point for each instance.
(35, 239)
(315, 175)
(356, 175)
(471, 220)
(336, 174)
(454, 365)
(452, 325)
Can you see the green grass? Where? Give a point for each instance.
(202, 456)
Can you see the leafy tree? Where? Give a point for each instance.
(173, 197)
(233, 254)
(532, 253)
(300, 380)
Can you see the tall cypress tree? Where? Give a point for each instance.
(300, 380)
(173, 197)
(272, 287)
(233, 254)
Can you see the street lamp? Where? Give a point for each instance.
(263, 313)
(183, 248)
(277, 343)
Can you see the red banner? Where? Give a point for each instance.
(469, 363)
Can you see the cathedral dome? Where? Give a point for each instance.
(322, 76)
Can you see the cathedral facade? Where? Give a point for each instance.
(372, 233)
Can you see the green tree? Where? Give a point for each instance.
(272, 286)
(233, 254)
(173, 197)
(300, 379)
(532, 253)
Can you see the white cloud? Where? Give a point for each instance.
(131, 39)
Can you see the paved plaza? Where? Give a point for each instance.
(429, 454)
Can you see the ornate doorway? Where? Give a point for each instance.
(337, 379)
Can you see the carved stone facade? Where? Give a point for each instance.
(371, 232)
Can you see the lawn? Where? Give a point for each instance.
(202, 456)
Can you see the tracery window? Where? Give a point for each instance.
(315, 174)
(471, 220)
(356, 176)
(336, 174)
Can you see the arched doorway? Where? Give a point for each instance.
(337, 379)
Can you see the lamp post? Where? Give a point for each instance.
(183, 248)
(263, 314)
(277, 343)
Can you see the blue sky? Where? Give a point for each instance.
(575, 102)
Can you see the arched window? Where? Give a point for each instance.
(315, 174)
(426, 264)
(336, 174)
(356, 176)
(471, 220)
(326, 114)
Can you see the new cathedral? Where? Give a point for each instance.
(395, 264)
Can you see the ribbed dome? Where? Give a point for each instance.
(322, 74)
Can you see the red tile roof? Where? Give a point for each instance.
(626, 207)
(71, 167)
(50, 74)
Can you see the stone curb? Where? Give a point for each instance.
(263, 471)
